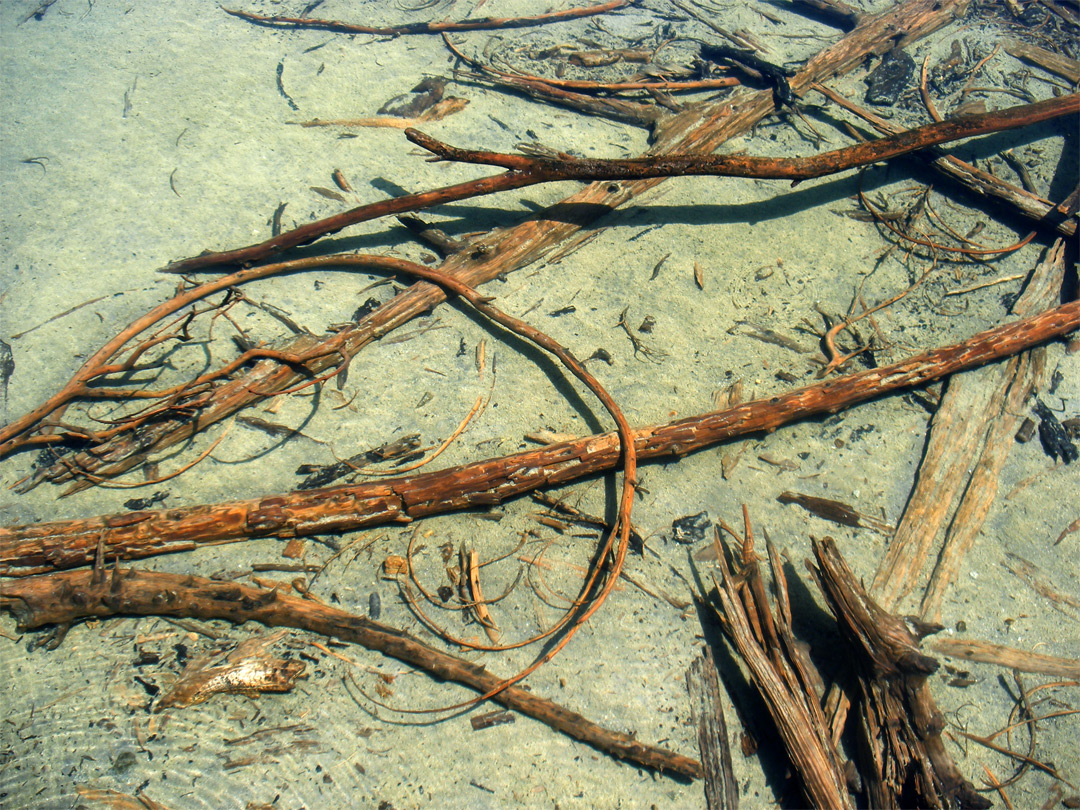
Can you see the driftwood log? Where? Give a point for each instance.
(897, 724)
(52, 546)
(954, 471)
(60, 599)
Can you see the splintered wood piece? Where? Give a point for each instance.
(105, 799)
(707, 714)
(51, 546)
(905, 762)
(395, 566)
(1054, 62)
(437, 112)
(837, 512)
(246, 669)
(1072, 527)
(747, 620)
(72, 595)
(470, 564)
(1010, 657)
(491, 719)
(294, 548)
(1027, 571)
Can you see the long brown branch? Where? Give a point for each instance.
(524, 170)
(69, 596)
(64, 544)
(796, 168)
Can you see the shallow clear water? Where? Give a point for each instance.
(139, 133)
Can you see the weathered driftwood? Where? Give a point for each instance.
(707, 713)
(52, 546)
(780, 670)
(1015, 382)
(971, 649)
(904, 761)
(899, 726)
(59, 599)
(961, 462)
(695, 131)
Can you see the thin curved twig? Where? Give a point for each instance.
(478, 24)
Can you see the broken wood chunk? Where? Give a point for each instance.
(473, 595)
(395, 566)
(835, 511)
(496, 718)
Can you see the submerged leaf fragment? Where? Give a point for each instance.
(247, 669)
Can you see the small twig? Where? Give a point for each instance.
(983, 284)
(655, 355)
(924, 90)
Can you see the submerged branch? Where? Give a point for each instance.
(65, 544)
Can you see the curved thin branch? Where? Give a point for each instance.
(478, 24)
